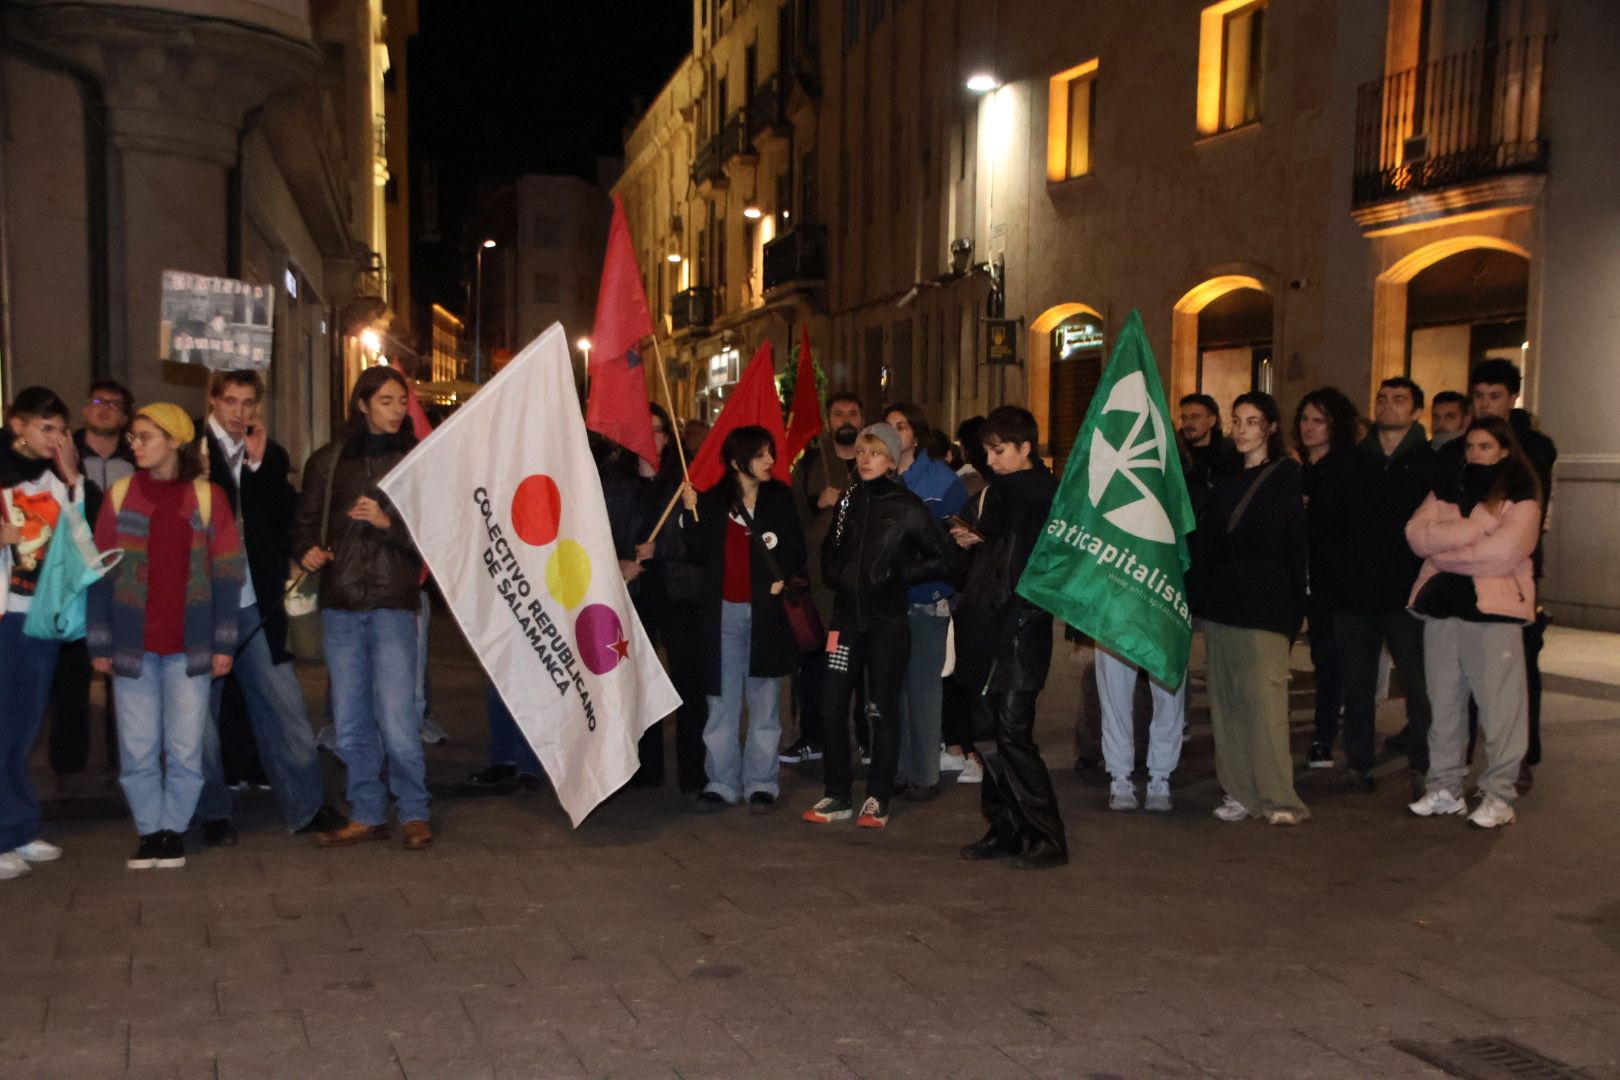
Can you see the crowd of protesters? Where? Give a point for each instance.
(874, 595)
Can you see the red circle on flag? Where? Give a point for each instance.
(537, 510)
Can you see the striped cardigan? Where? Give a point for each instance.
(116, 612)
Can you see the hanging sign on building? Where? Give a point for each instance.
(218, 323)
(1001, 341)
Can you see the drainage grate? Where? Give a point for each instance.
(1492, 1058)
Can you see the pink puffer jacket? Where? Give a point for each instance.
(1492, 547)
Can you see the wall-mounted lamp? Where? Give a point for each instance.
(752, 212)
(982, 82)
(673, 257)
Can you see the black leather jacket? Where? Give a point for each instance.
(883, 540)
(372, 568)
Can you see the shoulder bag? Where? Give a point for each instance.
(797, 604)
(301, 601)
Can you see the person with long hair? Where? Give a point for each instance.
(1325, 425)
(39, 477)
(164, 622)
(744, 532)
(928, 610)
(1248, 586)
(368, 598)
(1477, 534)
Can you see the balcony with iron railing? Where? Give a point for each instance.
(708, 172)
(796, 258)
(1470, 117)
(691, 309)
(734, 141)
(767, 109)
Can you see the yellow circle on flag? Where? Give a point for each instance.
(568, 573)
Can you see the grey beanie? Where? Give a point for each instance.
(890, 437)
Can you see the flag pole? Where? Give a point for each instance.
(675, 430)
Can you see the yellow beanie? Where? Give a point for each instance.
(171, 418)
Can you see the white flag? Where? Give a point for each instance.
(505, 504)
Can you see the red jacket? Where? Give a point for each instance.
(1492, 547)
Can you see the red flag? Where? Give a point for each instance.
(617, 406)
(804, 422)
(754, 401)
(420, 425)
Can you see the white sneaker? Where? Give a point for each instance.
(13, 865)
(433, 734)
(949, 762)
(326, 738)
(38, 851)
(1492, 813)
(1436, 803)
(1122, 795)
(1282, 817)
(972, 772)
(1232, 810)
(1158, 795)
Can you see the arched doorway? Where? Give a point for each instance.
(1445, 307)
(1067, 344)
(1221, 339)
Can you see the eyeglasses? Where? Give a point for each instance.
(141, 438)
(110, 402)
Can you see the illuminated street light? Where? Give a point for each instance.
(583, 345)
(982, 82)
(489, 243)
(752, 211)
(478, 310)
(673, 257)
(370, 340)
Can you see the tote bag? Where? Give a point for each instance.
(72, 564)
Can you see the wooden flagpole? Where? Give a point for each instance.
(675, 431)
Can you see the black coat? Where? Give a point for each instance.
(1004, 642)
(1321, 481)
(883, 540)
(772, 651)
(373, 569)
(264, 505)
(1252, 576)
(1365, 515)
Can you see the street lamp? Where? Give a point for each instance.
(478, 310)
(982, 82)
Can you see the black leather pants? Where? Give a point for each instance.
(1017, 797)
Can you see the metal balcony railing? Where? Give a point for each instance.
(799, 256)
(734, 140)
(692, 309)
(767, 108)
(1465, 117)
(707, 164)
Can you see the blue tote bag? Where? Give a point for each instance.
(72, 565)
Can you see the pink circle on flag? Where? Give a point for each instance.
(536, 510)
(599, 634)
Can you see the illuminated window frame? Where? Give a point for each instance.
(1065, 133)
(1212, 64)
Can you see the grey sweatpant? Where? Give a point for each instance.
(1485, 660)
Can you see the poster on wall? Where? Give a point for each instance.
(218, 323)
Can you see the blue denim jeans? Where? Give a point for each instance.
(922, 696)
(507, 746)
(280, 721)
(26, 667)
(424, 617)
(371, 661)
(735, 770)
(162, 715)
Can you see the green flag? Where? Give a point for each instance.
(1112, 559)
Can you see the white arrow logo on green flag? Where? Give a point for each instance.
(1112, 559)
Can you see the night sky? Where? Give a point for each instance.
(504, 87)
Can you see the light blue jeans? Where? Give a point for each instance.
(1116, 692)
(280, 722)
(737, 770)
(162, 715)
(371, 663)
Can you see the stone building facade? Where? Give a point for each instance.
(258, 140)
(1291, 194)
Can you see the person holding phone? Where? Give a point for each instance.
(368, 599)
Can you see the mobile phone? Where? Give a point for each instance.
(954, 522)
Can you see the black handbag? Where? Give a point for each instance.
(803, 619)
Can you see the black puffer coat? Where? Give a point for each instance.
(372, 568)
(883, 540)
(1004, 642)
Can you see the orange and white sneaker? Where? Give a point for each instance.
(827, 811)
(874, 815)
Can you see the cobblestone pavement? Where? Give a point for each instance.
(656, 941)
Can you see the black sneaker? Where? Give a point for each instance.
(712, 801)
(146, 855)
(761, 802)
(1363, 781)
(220, 833)
(799, 752)
(1040, 857)
(171, 851)
(326, 819)
(493, 776)
(1320, 756)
